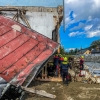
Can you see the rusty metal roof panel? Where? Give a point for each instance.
(21, 50)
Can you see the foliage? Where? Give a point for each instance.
(62, 50)
(95, 43)
(71, 52)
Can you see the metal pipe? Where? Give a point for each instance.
(64, 24)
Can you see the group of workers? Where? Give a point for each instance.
(61, 66)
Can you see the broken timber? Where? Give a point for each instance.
(52, 79)
(39, 92)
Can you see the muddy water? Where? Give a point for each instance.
(63, 92)
(92, 66)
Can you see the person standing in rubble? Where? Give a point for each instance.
(81, 63)
(61, 59)
(56, 67)
(64, 67)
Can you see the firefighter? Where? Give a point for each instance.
(61, 59)
(50, 70)
(81, 63)
(64, 67)
(56, 67)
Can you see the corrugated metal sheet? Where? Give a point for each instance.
(22, 50)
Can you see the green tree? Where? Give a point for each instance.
(76, 50)
(71, 52)
(62, 51)
(95, 43)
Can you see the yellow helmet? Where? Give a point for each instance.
(65, 59)
(82, 56)
(56, 54)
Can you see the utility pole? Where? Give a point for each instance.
(64, 25)
(81, 49)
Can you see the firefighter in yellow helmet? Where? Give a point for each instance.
(64, 67)
(82, 57)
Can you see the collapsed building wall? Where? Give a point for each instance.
(45, 20)
(23, 51)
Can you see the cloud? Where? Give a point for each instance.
(90, 18)
(68, 49)
(73, 34)
(74, 15)
(91, 34)
(88, 27)
(68, 20)
(79, 26)
(83, 10)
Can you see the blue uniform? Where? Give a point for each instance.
(56, 60)
(64, 67)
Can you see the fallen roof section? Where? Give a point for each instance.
(22, 50)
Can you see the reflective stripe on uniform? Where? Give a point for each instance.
(64, 62)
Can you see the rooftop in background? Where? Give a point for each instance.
(83, 51)
(45, 3)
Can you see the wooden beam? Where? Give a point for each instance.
(52, 79)
(14, 18)
(39, 92)
(25, 19)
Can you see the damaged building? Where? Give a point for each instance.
(28, 38)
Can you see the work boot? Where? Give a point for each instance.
(67, 84)
(64, 82)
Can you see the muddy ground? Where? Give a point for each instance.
(74, 91)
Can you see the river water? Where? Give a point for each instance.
(93, 67)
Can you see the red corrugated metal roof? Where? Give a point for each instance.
(21, 50)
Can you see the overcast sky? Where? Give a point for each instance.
(82, 23)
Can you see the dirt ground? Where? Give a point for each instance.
(74, 91)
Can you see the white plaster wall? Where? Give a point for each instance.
(42, 22)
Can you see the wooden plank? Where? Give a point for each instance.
(43, 75)
(39, 92)
(46, 71)
(53, 79)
